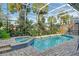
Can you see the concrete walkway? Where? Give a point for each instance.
(28, 51)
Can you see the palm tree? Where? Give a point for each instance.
(64, 21)
(24, 10)
(64, 17)
(0, 17)
(51, 21)
(27, 9)
(14, 7)
(39, 15)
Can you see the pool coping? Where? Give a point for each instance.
(36, 37)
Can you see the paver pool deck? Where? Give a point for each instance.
(64, 49)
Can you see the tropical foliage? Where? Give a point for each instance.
(25, 26)
(39, 16)
(51, 22)
(64, 16)
(4, 34)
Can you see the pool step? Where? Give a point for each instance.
(5, 48)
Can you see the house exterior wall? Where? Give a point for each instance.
(75, 29)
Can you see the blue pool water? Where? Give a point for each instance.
(21, 39)
(43, 43)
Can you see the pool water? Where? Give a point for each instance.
(43, 43)
(21, 39)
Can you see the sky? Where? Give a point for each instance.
(32, 16)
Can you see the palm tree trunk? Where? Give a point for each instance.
(37, 17)
(7, 18)
(25, 11)
(25, 20)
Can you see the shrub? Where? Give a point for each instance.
(4, 34)
(33, 32)
(18, 33)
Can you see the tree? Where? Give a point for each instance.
(39, 15)
(0, 17)
(23, 20)
(14, 7)
(51, 21)
(24, 10)
(64, 21)
(64, 16)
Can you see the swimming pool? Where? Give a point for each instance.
(41, 44)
